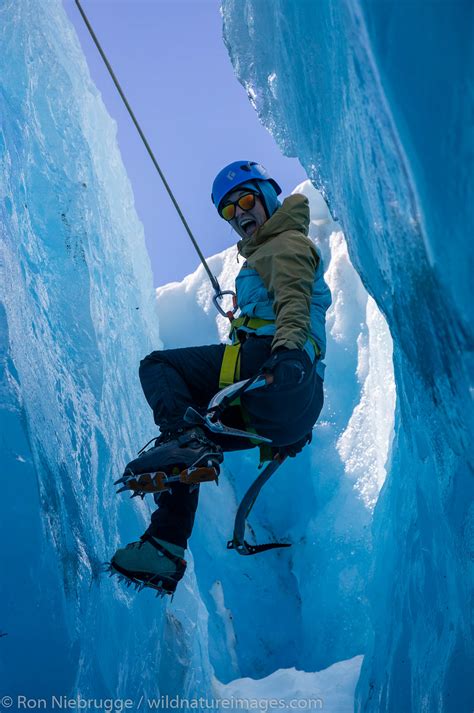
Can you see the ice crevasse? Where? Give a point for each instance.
(374, 99)
(78, 312)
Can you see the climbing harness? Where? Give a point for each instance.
(230, 368)
(218, 293)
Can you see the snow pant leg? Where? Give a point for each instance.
(172, 380)
(173, 520)
(191, 377)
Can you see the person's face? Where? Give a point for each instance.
(246, 222)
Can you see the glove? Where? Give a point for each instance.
(287, 366)
(294, 448)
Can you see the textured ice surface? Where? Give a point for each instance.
(375, 100)
(77, 312)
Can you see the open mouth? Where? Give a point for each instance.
(248, 225)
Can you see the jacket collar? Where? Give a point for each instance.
(293, 215)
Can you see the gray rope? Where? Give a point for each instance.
(213, 279)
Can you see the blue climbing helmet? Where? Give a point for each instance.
(243, 172)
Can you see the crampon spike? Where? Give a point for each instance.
(139, 584)
(123, 479)
(152, 483)
(122, 490)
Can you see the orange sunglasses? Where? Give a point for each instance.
(246, 202)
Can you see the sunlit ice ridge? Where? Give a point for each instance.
(374, 99)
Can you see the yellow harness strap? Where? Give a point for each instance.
(256, 323)
(317, 350)
(250, 322)
(230, 373)
(230, 367)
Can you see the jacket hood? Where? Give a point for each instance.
(293, 215)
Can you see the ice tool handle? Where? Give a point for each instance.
(214, 282)
(238, 541)
(211, 420)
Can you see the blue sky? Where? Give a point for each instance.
(172, 63)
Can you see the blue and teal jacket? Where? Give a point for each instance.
(282, 282)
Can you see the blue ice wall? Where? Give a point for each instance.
(375, 100)
(350, 89)
(77, 314)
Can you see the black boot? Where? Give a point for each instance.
(185, 455)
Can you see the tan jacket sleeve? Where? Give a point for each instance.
(287, 264)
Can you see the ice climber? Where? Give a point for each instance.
(280, 331)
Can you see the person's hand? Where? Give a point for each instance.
(295, 448)
(286, 366)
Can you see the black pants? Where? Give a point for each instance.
(174, 379)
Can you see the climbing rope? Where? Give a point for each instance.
(218, 293)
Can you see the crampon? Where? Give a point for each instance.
(162, 585)
(147, 563)
(144, 483)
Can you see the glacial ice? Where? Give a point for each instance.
(78, 312)
(375, 100)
